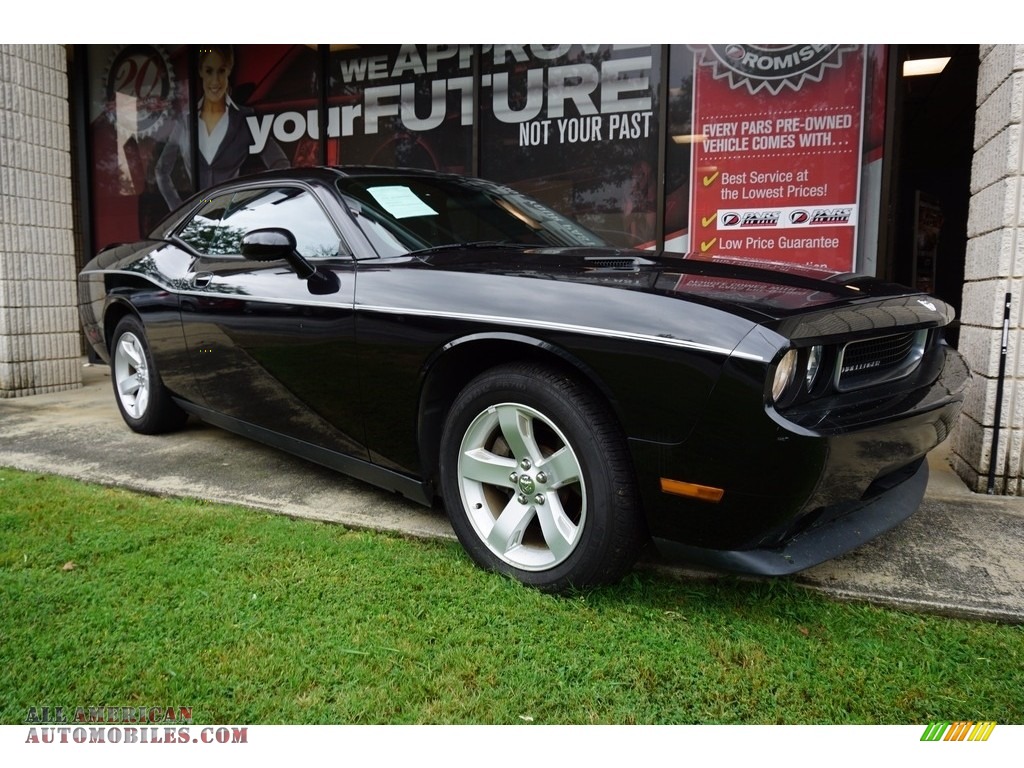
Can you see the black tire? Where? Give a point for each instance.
(537, 480)
(145, 404)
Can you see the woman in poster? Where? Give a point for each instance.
(223, 132)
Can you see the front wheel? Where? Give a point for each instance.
(537, 480)
(145, 404)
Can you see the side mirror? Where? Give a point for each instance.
(274, 244)
(277, 244)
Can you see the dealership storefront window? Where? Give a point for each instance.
(902, 174)
(576, 126)
(738, 152)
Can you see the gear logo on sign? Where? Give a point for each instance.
(142, 76)
(771, 67)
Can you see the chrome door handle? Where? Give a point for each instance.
(201, 279)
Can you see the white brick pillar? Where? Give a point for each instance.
(995, 266)
(40, 350)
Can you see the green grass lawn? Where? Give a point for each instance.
(254, 618)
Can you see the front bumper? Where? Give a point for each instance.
(794, 494)
(846, 528)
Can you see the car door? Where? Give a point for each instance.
(268, 347)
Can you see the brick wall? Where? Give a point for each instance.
(995, 266)
(40, 350)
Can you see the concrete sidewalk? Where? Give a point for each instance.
(961, 554)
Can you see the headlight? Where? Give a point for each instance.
(785, 371)
(813, 365)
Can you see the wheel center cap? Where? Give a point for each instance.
(526, 484)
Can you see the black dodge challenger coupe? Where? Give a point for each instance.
(448, 337)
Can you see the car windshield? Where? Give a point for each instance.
(405, 214)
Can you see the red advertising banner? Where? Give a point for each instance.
(777, 154)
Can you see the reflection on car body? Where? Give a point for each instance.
(449, 338)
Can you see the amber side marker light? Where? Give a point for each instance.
(692, 490)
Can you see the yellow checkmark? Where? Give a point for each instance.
(705, 245)
(709, 180)
(706, 220)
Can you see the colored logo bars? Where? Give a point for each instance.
(962, 730)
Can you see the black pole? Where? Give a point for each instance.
(82, 154)
(662, 162)
(999, 397)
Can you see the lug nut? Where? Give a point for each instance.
(538, 499)
(525, 464)
(513, 478)
(521, 498)
(542, 477)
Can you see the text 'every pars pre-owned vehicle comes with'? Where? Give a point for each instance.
(441, 336)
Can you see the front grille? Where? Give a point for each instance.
(876, 353)
(874, 361)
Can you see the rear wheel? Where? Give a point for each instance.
(145, 404)
(537, 480)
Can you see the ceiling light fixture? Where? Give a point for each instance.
(915, 67)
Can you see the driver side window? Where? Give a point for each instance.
(218, 227)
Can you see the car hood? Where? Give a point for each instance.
(773, 291)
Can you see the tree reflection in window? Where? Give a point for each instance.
(217, 229)
(206, 232)
(213, 238)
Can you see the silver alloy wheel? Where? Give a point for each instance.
(522, 487)
(131, 375)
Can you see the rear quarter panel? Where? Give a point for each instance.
(143, 279)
